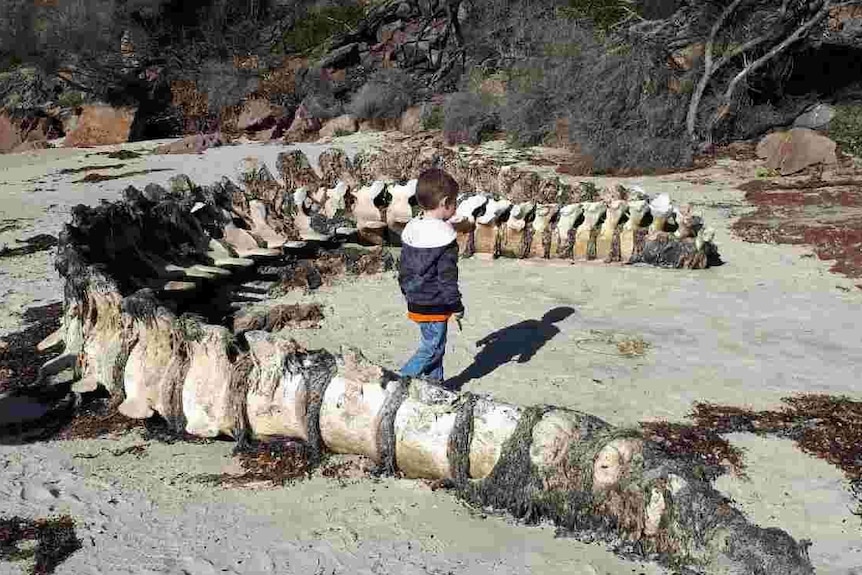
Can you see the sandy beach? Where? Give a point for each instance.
(769, 323)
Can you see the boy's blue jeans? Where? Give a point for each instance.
(428, 359)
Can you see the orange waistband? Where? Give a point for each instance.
(424, 318)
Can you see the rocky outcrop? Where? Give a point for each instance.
(257, 115)
(345, 124)
(28, 132)
(195, 144)
(816, 118)
(304, 127)
(99, 125)
(796, 149)
(9, 135)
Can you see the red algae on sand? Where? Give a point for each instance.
(825, 215)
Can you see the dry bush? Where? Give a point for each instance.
(188, 99)
(281, 80)
(525, 118)
(317, 93)
(467, 118)
(224, 85)
(387, 94)
(614, 96)
(752, 119)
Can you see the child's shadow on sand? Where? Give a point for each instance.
(521, 340)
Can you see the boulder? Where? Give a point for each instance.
(344, 123)
(342, 57)
(404, 10)
(10, 137)
(257, 115)
(411, 120)
(100, 125)
(796, 149)
(303, 128)
(816, 118)
(262, 135)
(195, 144)
(27, 133)
(386, 32)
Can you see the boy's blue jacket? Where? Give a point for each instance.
(428, 271)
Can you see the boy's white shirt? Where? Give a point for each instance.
(428, 233)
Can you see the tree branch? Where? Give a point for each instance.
(775, 51)
(708, 71)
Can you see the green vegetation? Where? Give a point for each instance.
(562, 50)
(70, 99)
(605, 14)
(846, 128)
(319, 24)
(762, 173)
(432, 119)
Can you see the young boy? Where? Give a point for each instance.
(429, 272)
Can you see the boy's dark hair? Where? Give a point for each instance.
(434, 185)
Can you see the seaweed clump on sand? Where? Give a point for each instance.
(712, 454)
(277, 462)
(55, 541)
(33, 244)
(825, 426)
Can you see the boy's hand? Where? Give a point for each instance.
(458, 317)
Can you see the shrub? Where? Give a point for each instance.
(70, 99)
(846, 128)
(763, 172)
(525, 118)
(431, 117)
(565, 65)
(316, 92)
(25, 88)
(750, 119)
(467, 119)
(616, 99)
(387, 94)
(603, 13)
(323, 105)
(224, 85)
(318, 24)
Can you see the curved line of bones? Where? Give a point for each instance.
(122, 332)
(338, 205)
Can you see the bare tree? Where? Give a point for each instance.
(773, 28)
